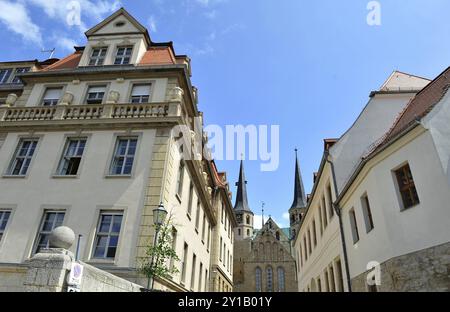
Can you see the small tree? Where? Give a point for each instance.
(155, 265)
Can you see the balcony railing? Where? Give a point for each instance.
(90, 112)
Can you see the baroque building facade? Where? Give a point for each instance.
(93, 142)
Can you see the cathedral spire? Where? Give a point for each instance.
(241, 196)
(299, 190)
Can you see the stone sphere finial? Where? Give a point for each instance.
(62, 237)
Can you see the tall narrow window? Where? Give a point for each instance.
(184, 263)
(19, 71)
(194, 264)
(209, 237)
(354, 226)
(180, 177)
(197, 216)
(314, 233)
(191, 198)
(326, 213)
(332, 283)
(206, 280)
(123, 55)
(50, 221)
(281, 280)
(140, 93)
(95, 94)
(327, 281)
(330, 200)
(97, 57)
(340, 277)
(51, 96)
(269, 279)
(4, 217)
(123, 159)
(407, 187)
(320, 221)
(200, 277)
(258, 282)
(203, 227)
(309, 241)
(71, 158)
(4, 75)
(174, 246)
(107, 237)
(367, 213)
(220, 254)
(22, 157)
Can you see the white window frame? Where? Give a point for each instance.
(42, 232)
(4, 214)
(26, 159)
(5, 75)
(19, 70)
(108, 234)
(97, 99)
(122, 57)
(140, 97)
(99, 59)
(66, 157)
(116, 157)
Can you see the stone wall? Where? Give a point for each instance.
(48, 271)
(12, 277)
(424, 270)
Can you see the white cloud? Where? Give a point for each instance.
(61, 9)
(286, 216)
(65, 43)
(211, 14)
(257, 221)
(152, 24)
(16, 18)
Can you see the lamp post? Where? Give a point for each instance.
(159, 216)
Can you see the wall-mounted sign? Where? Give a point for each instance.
(75, 275)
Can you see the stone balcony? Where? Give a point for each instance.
(90, 112)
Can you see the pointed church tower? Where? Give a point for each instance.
(298, 207)
(243, 212)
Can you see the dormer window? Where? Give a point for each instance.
(123, 55)
(4, 75)
(51, 96)
(20, 71)
(95, 94)
(97, 57)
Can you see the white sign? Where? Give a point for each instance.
(75, 275)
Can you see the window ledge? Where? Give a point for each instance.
(57, 176)
(7, 176)
(124, 176)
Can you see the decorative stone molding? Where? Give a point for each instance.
(76, 81)
(120, 80)
(11, 99)
(176, 94)
(67, 99)
(113, 97)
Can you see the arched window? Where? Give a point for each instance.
(281, 280)
(269, 287)
(239, 232)
(248, 220)
(277, 235)
(258, 275)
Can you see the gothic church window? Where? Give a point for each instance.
(258, 275)
(281, 280)
(269, 279)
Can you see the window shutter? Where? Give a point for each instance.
(139, 90)
(52, 94)
(97, 89)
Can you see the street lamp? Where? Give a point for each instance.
(159, 216)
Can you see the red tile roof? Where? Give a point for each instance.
(158, 56)
(417, 108)
(70, 61)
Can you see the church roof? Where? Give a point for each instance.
(299, 189)
(241, 195)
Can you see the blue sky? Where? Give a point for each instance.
(307, 66)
